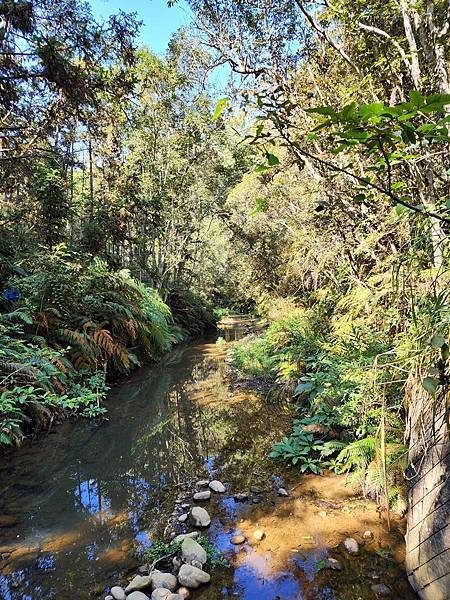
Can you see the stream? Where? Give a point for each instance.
(78, 506)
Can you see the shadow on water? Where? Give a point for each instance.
(76, 505)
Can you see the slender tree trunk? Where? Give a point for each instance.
(91, 181)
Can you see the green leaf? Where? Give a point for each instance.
(355, 134)
(430, 384)
(402, 210)
(272, 159)
(416, 98)
(220, 107)
(322, 110)
(437, 341)
(398, 185)
(371, 110)
(441, 99)
(261, 205)
(349, 112)
(303, 388)
(359, 197)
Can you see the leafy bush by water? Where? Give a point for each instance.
(332, 369)
(69, 323)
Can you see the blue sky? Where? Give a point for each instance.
(160, 21)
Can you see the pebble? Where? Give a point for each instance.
(199, 517)
(352, 546)
(179, 538)
(183, 518)
(109, 598)
(368, 535)
(323, 514)
(140, 582)
(117, 593)
(282, 492)
(380, 589)
(217, 486)
(184, 593)
(192, 551)
(238, 539)
(259, 535)
(197, 563)
(201, 496)
(332, 563)
(161, 594)
(185, 505)
(202, 483)
(256, 500)
(164, 580)
(240, 497)
(137, 596)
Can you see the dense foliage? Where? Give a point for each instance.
(316, 190)
(346, 215)
(111, 171)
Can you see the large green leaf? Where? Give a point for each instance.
(220, 107)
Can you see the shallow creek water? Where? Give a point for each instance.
(77, 505)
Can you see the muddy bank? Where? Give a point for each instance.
(82, 504)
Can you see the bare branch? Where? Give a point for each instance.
(324, 34)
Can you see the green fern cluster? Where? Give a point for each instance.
(339, 365)
(101, 318)
(75, 321)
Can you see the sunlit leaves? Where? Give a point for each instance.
(221, 105)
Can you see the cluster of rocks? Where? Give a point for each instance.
(188, 567)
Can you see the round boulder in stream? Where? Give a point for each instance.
(238, 539)
(352, 546)
(192, 551)
(164, 580)
(117, 593)
(217, 486)
(140, 582)
(161, 594)
(137, 596)
(202, 483)
(192, 577)
(199, 517)
(164, 594)
(182, 536)
(201, 496)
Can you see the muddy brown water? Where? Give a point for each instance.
(78, 506)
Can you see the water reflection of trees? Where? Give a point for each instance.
(90, 488)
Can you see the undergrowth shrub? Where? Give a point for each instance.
(191, 313)
(102, 318)
(337, 367)
(66, 323)
(254, 357)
